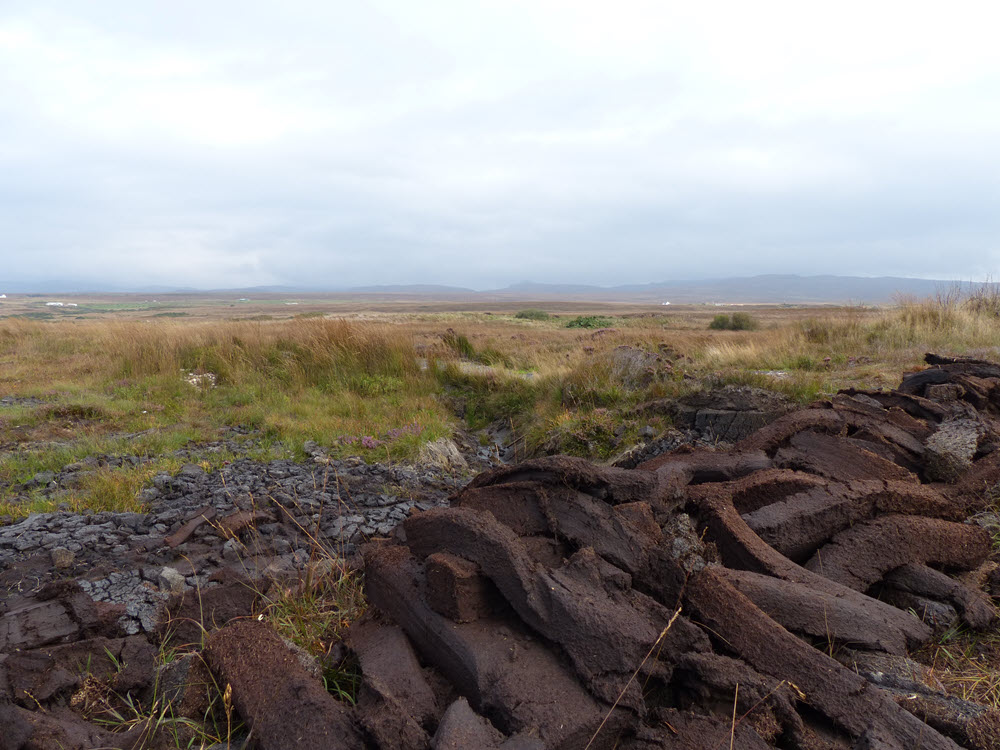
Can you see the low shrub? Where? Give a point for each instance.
(589, 321)
(736, 322)
(532, 314)
(721, 322)
(743, 322)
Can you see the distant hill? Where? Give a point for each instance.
(772, 288)
(531, 287)
(409, 289)
(767, 289)
(271, 289)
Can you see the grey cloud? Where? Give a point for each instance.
(223, 145)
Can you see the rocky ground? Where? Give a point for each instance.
(758, 578)
(197, 522)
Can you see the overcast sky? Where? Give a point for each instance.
(225, 144)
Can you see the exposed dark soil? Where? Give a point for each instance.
(764, 595)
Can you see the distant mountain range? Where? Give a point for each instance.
(773, 289)
(410, 289)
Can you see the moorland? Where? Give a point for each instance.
(124, 404)
(563, 377)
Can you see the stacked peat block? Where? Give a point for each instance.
(764, 596)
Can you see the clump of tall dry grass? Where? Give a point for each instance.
(297, 352)
(896, 337)
(301, 352)
(349, 386)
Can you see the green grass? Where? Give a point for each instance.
(106, 488)
(106, 308)
(315, 613)
(39, 315)
(487, 355)
(356, 390)
(579, 411)
(596, 433)
(18, 468)
(116, 307)
(459, 343)
(396, 413)
(115, 489)
(486, 398)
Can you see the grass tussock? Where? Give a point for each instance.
(315, 613)
(967, 664)
(484, 398)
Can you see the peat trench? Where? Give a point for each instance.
(762, 596)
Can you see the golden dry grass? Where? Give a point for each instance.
(967, 664)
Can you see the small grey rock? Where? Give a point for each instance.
(171, 581)
(443, 454)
